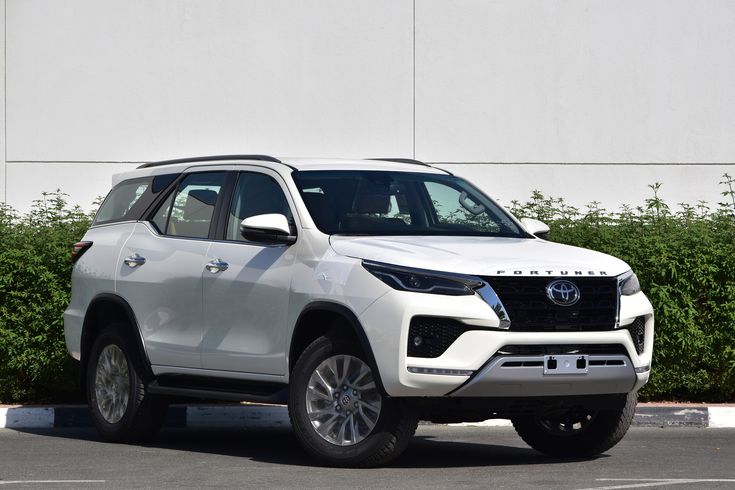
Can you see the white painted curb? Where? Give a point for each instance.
(721, 417)
(26, 418)
(485, 423)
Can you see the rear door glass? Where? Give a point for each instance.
(189, 211)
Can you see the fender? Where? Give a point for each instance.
(357, 328)
(87, 332)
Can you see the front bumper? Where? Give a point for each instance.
(467, 367)
(524, 376)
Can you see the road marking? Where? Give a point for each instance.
(20, 482)
(656, 482)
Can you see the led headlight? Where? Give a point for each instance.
(629, 284)
(422, 281)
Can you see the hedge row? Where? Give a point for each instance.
(685, 261)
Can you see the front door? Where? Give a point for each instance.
(246, 298)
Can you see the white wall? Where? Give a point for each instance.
(94, 86)
(2, 103)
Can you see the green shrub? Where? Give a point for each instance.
(685, 261)
(34, 291)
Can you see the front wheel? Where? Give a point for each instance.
(576, 432)
(338, 412)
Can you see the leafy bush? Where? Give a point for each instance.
(685, 261)
(34, 291)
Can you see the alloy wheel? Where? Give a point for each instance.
(112, 383)
(342, 401)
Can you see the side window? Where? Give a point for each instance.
(189, 210)
(255, 194)
(121, 199)
(459, 210)
(130, 198)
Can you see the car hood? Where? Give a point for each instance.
(481, 256)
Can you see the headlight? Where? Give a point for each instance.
(629, 284)
(422, 281)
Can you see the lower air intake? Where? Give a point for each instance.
(637, 331)
(431, 336)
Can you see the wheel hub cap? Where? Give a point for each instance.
(112, 384)
(342, 400)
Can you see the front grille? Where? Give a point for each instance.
(430, 336)
(637, 331)
(561, 349)
(530, 310)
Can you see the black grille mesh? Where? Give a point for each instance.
(637, 331)
(433, 335)
(530, 310)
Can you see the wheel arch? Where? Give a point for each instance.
(104, 309)
(319, 311)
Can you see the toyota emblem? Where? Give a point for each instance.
(562, 292)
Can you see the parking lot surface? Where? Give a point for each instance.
(439, 457)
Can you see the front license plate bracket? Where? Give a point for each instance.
(566, 364)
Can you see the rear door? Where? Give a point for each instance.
(160, 269)
(246, 303)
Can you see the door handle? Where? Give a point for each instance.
(217, 265)
(134, 261)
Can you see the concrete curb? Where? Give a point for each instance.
(273, 416)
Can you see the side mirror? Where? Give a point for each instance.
(267, 228)
(536, 227)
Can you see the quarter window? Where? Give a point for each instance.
(130, 198)
(121, 199)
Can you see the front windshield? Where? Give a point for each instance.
(357, 202)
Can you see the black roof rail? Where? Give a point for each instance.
(401, 160)
(409, 160)
(212, 158)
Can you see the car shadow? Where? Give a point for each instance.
(280, 446)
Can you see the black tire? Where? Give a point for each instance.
(599, 430)
(143, 413)
(389, 437)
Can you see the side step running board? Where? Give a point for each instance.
(219, 389)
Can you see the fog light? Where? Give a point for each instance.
(418, 340)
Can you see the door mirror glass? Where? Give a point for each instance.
(536, 227)
(268, 228)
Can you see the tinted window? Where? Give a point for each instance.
(255, 194)
(130, 198)
(120, 200)
(400, 203)
(189, 212)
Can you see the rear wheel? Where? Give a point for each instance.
(338, 412)
(576, 432)
(121, 409)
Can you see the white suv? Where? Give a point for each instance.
(366, 294)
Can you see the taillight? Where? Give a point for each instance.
(78, 250)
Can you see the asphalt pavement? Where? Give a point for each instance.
(439, 457)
